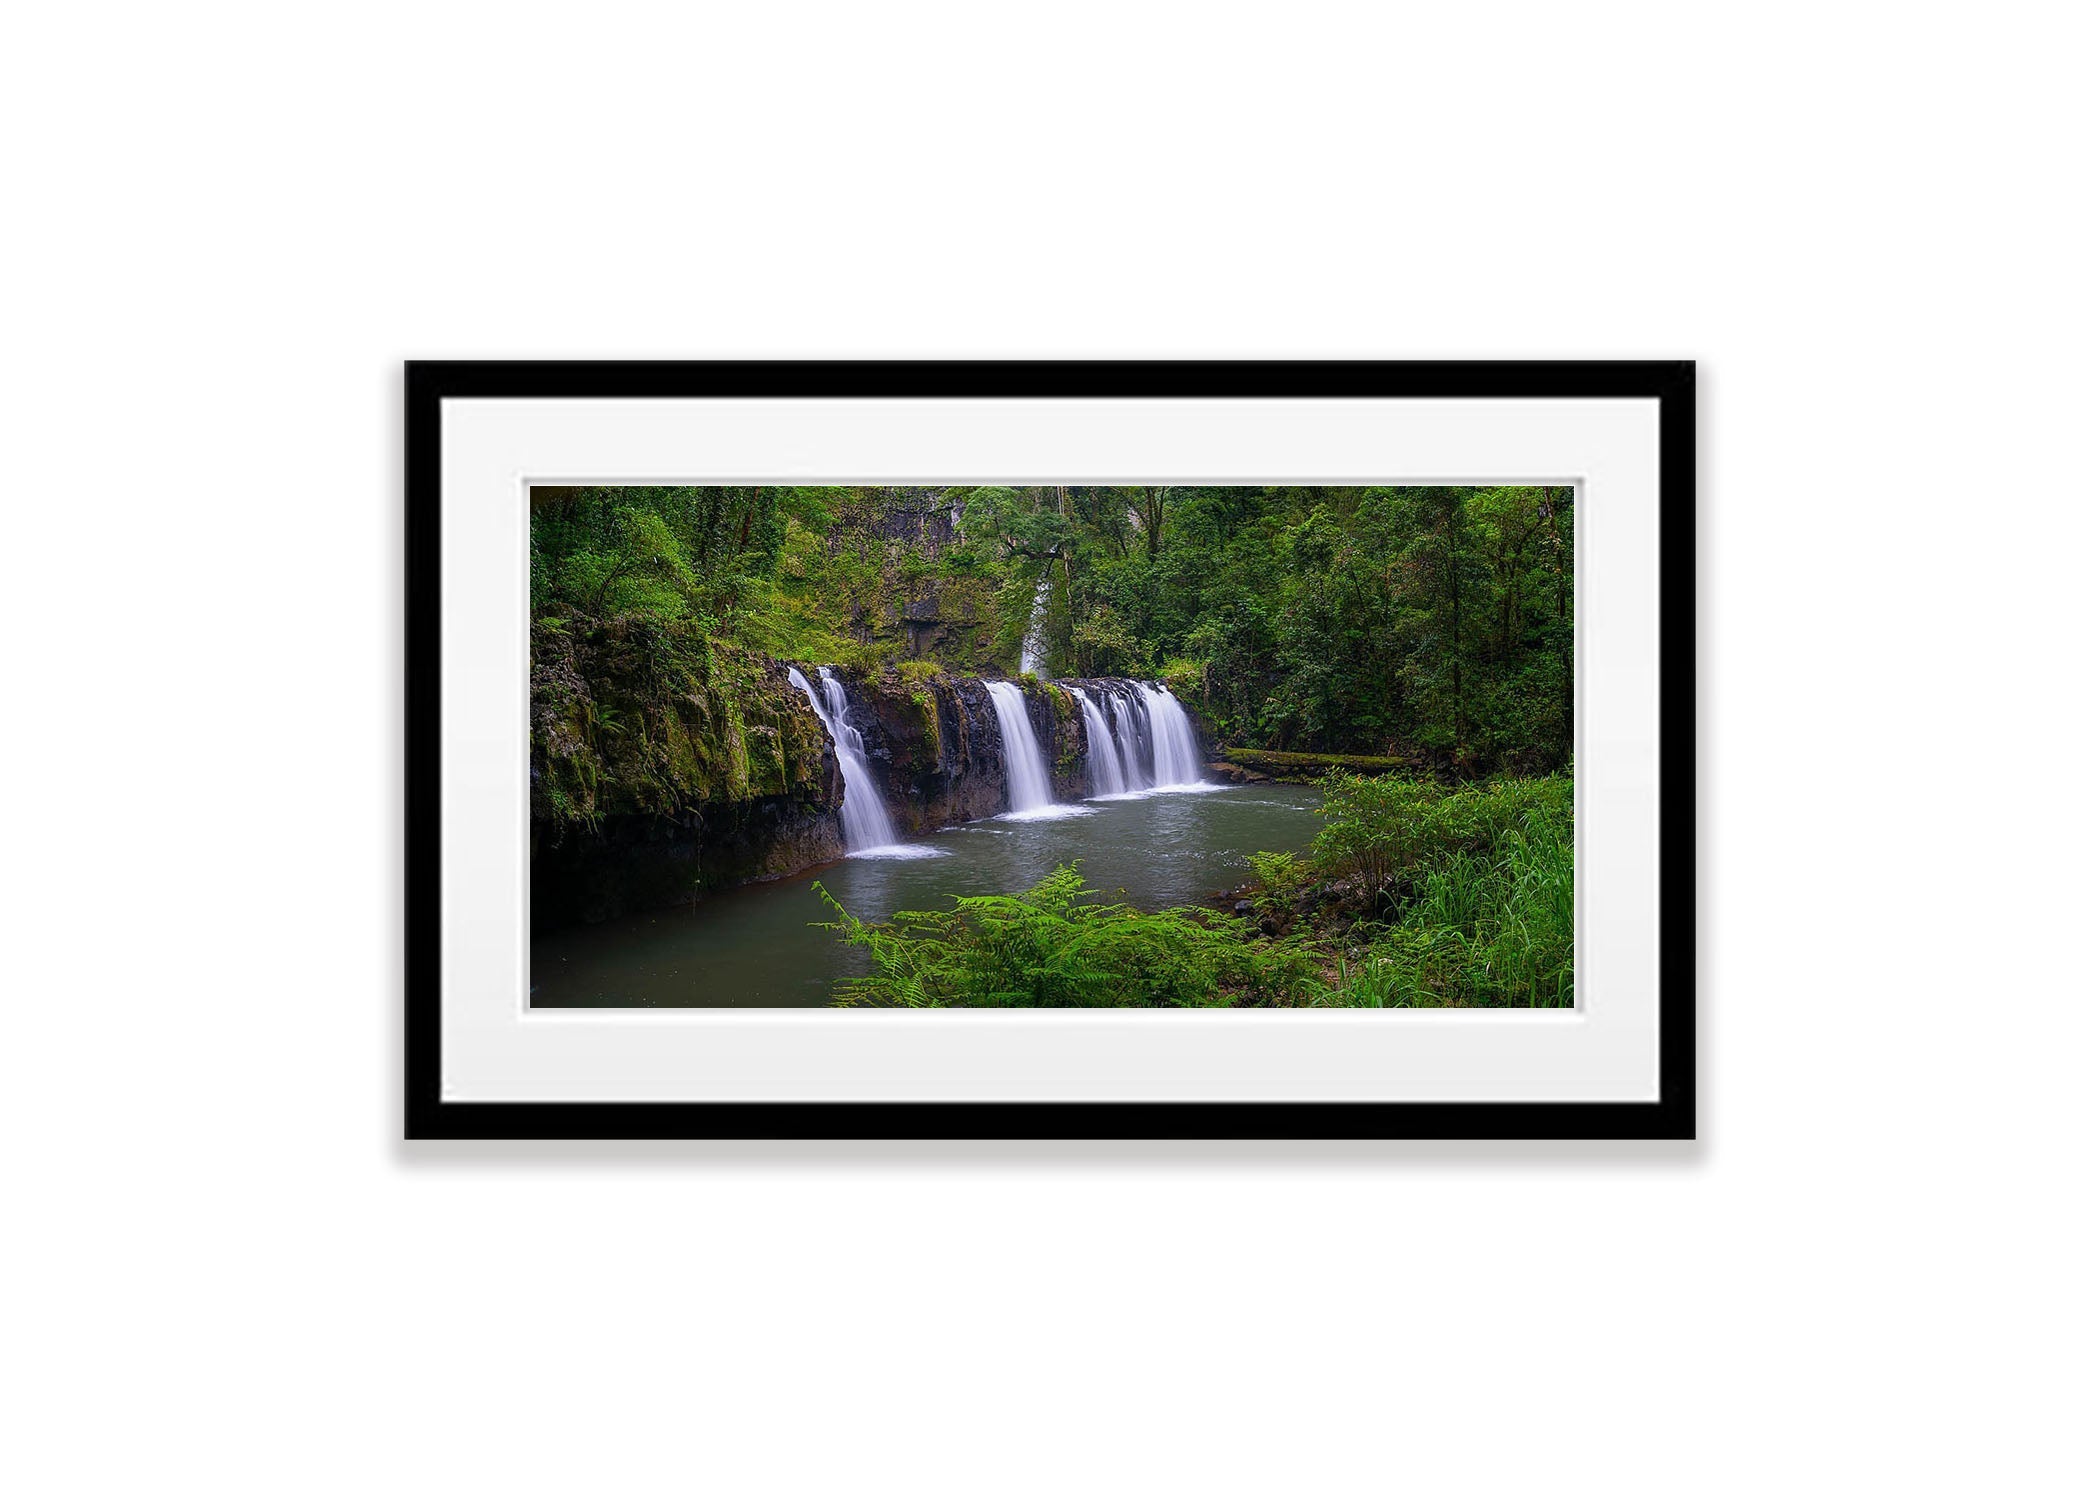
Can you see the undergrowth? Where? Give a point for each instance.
(1050, 946)
(1474, 899)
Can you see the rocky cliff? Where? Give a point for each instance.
(655, 780)
(659, 773)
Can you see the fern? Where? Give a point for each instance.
(1053, 947)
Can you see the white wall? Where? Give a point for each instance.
(228, 224)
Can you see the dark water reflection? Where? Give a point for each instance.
(754, 946)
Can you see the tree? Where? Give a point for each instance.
(1152, 514)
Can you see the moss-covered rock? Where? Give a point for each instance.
(1060, 729)
(663, 765)
(635, 717)
(932, 744)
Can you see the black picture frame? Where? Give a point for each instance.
(1670, 1116)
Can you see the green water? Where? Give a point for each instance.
(753, 946)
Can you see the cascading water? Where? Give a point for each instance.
(1027, 780)
(1104, 770)
(1130, 734)
(1140, 741)
(1032, 642)
(867, 821)
(1174, 761)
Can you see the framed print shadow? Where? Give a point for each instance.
(1050, 750)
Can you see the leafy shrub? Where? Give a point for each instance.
(1104, 645)
(1367, 824)
(639, 565)
(1184, 676)
(1277, 880)
(1379, 826)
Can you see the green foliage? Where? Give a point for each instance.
(1103, 645)
(1380, 826)
(1367, 824)
(638, 714)
(1050, 946)
(1363, 620)
(1475, 887)
(1277, 881)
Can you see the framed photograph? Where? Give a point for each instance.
(1050, 750)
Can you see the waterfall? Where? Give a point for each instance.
(1130, 734)
(1032, 642)
(1174, 760)
(1104, 770)
(1027, 780)
(1140, 741)
(867, 822)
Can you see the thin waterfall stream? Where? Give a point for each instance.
(866, 822)
(1028, 791)
(1038, 620)
(1129, 737)
(1104, 765)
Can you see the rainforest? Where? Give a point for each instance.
(1052, 745)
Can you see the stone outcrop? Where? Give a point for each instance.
(934, 749)
(651, 784)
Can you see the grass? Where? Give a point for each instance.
(1478, 926)
(1465, 895)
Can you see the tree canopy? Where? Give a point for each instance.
(1435, 620)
